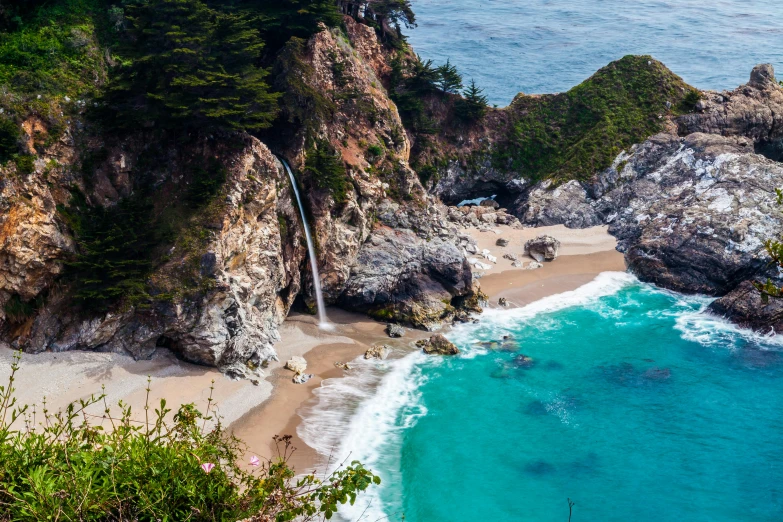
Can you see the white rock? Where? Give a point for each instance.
(296, 364)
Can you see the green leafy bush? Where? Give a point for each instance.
(68, 466)
(25, 163)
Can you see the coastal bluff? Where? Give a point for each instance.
(686, 185)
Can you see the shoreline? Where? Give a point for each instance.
(255, 413)
(584, 254)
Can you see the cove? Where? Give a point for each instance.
(623, 397)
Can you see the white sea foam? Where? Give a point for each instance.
(357, 416)
(710, 330)
(499, 321)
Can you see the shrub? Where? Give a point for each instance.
(9, 138)
(25, 163)
(63, 466)
(113, 259)
(375, 150)
(326, 168)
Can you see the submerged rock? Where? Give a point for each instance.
(438, 345)
(542, 248)
(501, 242)
(524, 361)
(503, 301)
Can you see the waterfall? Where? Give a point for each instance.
(319, 297)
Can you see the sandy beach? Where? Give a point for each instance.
(256, 413)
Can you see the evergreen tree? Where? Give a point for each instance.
(450, 81)
(191, 67)
(281, 20)
(114, 251)
(473, 106)
(424, 77)
(392, 12)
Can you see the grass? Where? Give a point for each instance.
(575, 134)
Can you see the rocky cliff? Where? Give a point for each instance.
(691, 206)
(225, 268)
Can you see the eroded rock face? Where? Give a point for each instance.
(691, 213)
(402, 277)
(233, 325)
(754, 110)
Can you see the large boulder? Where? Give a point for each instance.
(543, 248)
(400, 276)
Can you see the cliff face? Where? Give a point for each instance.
(227, 267)
(228, 280)
(384, 246)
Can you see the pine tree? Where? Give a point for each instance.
(191, 67)
(450, 81)
(281, 20)
(473, 105)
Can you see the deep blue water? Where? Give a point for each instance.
(633, 403)
(541, 46)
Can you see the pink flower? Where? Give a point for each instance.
(207, 467)
(254, 461)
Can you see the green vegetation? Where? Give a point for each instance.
(473, 105)
(25, 163)
(450, 80)
(113, 261)
(206, 183)
(9, 138)
(18, 311)
(774, 248)
(50, 48)
(325, 167)
(301, 103)
(577, 133)
(87, 463)
(191, 67)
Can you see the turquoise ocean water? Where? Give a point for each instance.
(625, 398)
(542, 46)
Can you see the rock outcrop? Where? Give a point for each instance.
(691, 212)
(248, 282)
(744, 306)
(543, 248)
(438, 345)
(219, 293)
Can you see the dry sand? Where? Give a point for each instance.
(257, 413)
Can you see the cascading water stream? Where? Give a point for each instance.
(322, 319)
